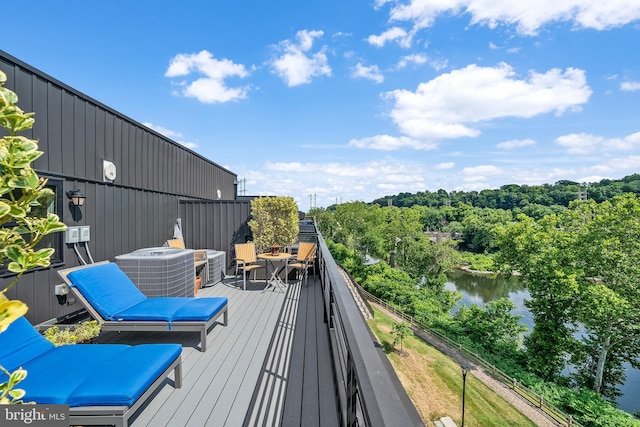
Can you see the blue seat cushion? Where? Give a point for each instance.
(107, 288)
(172, 309)
(21, 343)
(83, 374)
(102, 375)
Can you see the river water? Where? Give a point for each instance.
(480, 290)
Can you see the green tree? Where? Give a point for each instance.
(582, 272)
(429, 261)
(401, 330)
(498, 331)
(274, 221)
(359, 227)
(400, 224)
(541, 253)
(607, 247)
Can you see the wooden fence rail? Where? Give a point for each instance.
(535, 399)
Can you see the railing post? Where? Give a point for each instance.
(541, 401)
(570, 421)
(351, 396)
(515, 383)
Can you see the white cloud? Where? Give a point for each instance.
(175, 136)
(212, 86)
(444, 166)
(448, 105)
(296, 65)
(515, 143)
(338, 181)
(580, 143)
(527, 15)
(583, 143)
(484, 170)
(396, 34)
(412, 59)
(372, 72)
(419, 59)
(389, 143)
(617, 167)
(630, 86)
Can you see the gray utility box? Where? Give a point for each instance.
(160, 272)
(217, 262)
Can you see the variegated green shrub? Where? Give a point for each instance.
(20, 191)
(274, 222)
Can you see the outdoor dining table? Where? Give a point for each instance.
(275, 282)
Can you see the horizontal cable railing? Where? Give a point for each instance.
(368, 390)
(535, 399)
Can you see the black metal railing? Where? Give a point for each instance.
(368, 390)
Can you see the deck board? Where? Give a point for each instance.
(265, 362)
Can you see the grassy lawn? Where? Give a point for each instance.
(434, 383)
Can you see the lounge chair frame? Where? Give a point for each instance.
(119, 415)
(142, 325)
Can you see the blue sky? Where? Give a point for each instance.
(354, 100)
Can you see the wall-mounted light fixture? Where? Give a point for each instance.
(76, 197)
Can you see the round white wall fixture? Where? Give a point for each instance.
(109, 170)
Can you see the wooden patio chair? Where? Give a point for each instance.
(246, 260)
(176, 243)
(304, 260)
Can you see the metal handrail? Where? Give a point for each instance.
(369, 392)
(535, 399)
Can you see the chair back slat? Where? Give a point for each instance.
(306, 251)
(176, 243)
(246, 252)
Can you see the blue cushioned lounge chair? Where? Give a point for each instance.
(101, 383)
(115, 301)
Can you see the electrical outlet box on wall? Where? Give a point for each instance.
(85, 233)
(72, 235)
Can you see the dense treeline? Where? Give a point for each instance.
(520, 197)
(577, 261)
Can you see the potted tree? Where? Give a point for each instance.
(21, 190)
(274, 222)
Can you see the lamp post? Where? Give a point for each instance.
(465, 369)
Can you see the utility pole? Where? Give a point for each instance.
(241, 186)
(583, 193)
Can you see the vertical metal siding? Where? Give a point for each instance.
(215, 225)
(54, 128)
(139, 209)
(40, 126)
(66, 133)
(79, 138)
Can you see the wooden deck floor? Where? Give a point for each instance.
(269, 367)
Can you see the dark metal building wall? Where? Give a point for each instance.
(138, 209)
(215, 225)
(77, 133)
